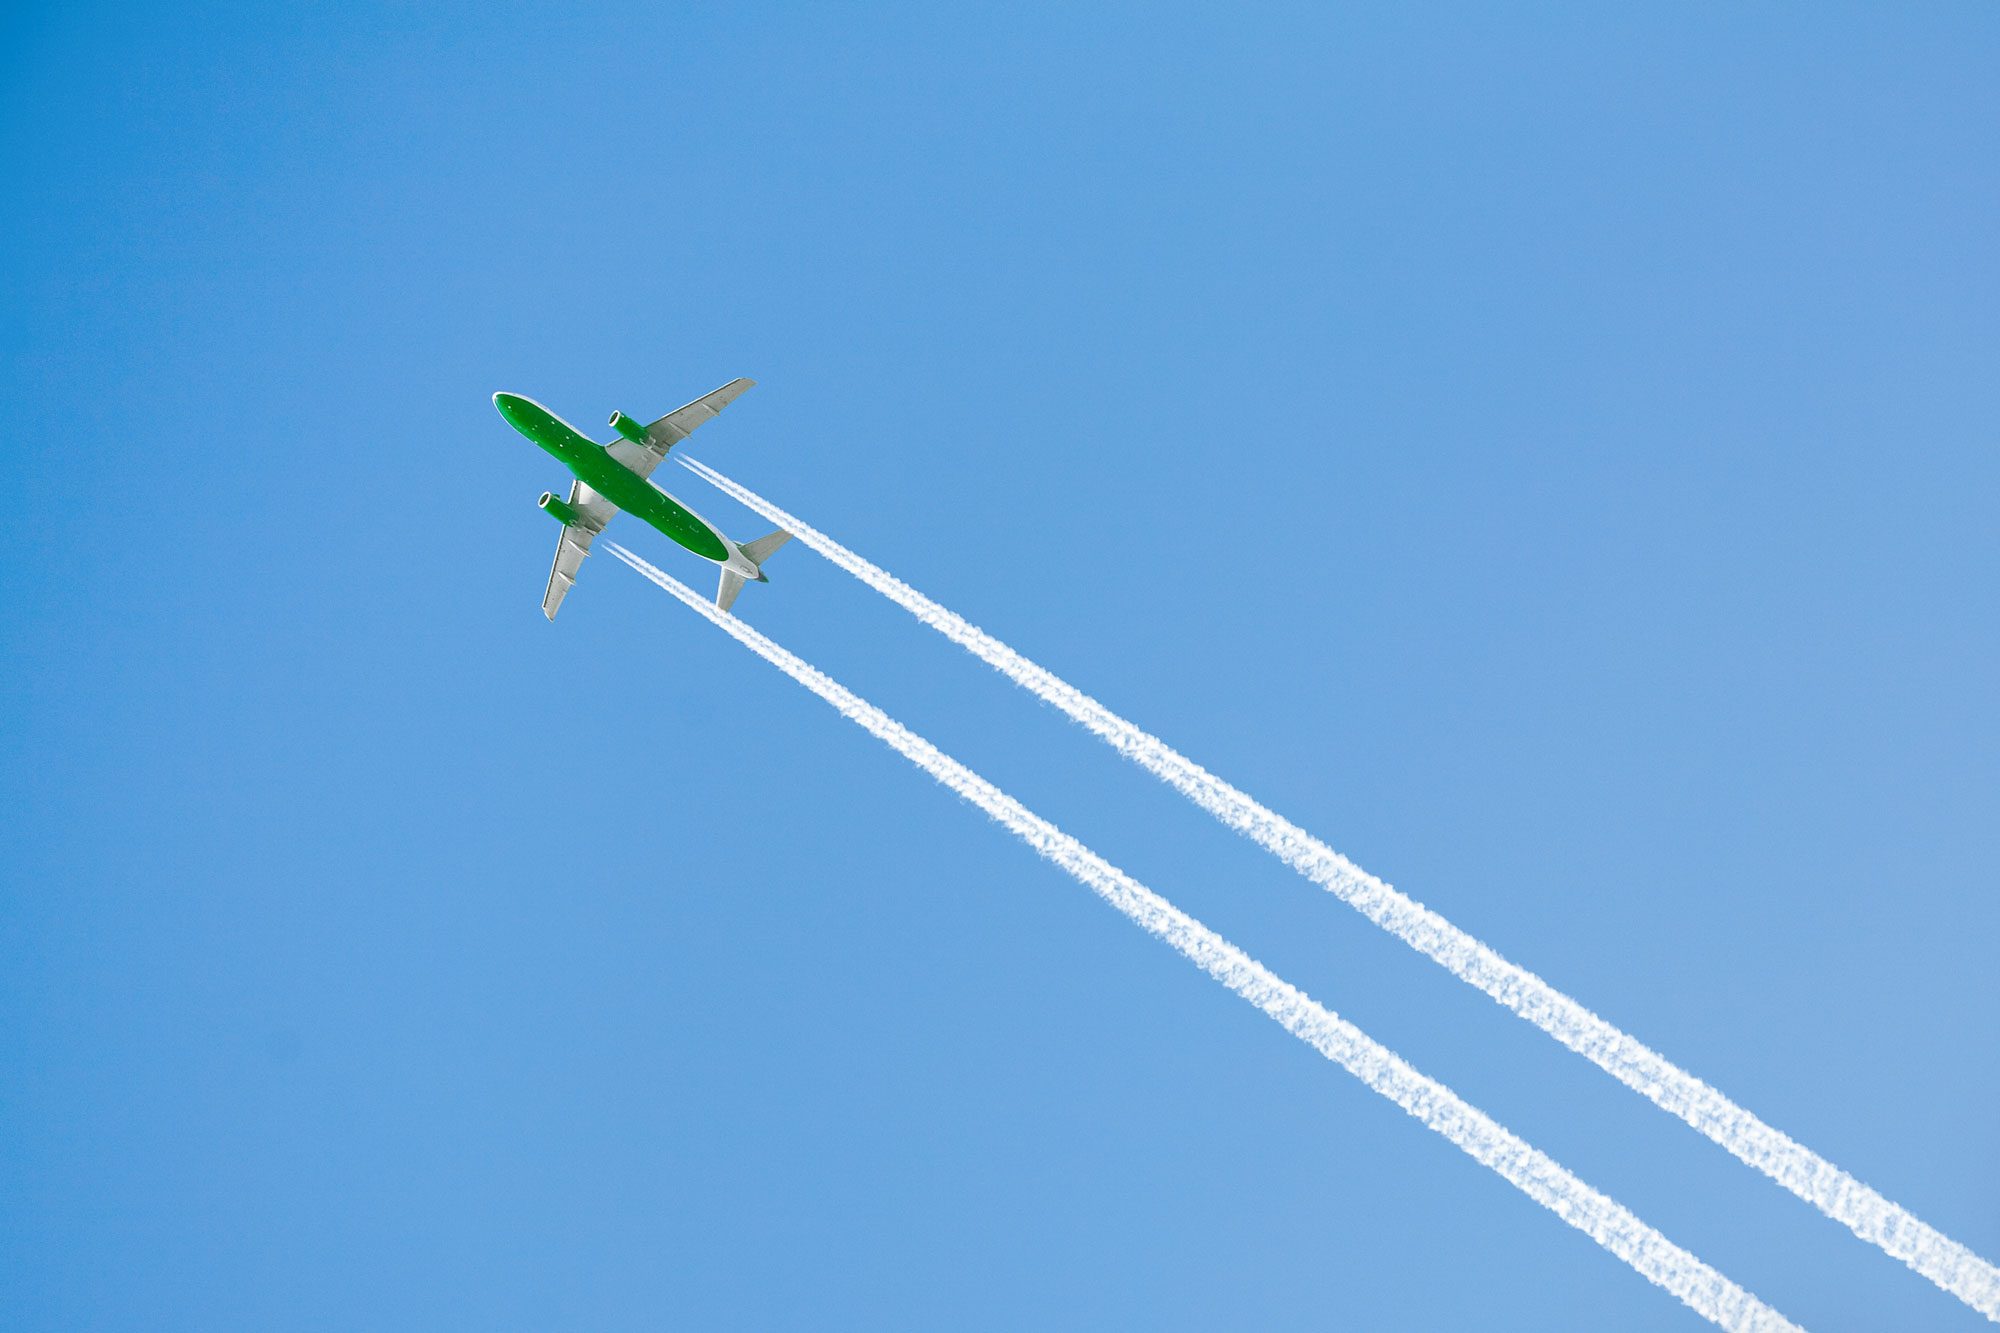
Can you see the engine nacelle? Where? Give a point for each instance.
(629, 428)
(559, 510)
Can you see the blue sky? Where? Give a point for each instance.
(1550, 454)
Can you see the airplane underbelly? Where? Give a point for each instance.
(684, 526)
(647, 502)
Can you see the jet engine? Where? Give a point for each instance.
(629, 428)
(557, 509)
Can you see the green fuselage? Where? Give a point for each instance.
(592, 465)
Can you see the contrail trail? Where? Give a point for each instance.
(1485, 1140)
(1871, 1216)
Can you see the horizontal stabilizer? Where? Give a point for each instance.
(725, 592)
(760, 550)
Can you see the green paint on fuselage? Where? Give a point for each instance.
(597, 469)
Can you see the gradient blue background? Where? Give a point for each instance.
(1552, 455)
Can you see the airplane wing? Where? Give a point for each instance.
(593, 512)
(674, 427)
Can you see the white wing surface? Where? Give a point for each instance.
(593, 512)
(680, 423)
(674, 427)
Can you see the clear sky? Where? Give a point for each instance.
(1552, 455)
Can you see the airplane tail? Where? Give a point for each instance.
(756, 553)
(760, 550)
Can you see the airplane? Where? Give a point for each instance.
(611, 477)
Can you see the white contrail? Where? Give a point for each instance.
(1533, 1172)
(1871, 1216)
